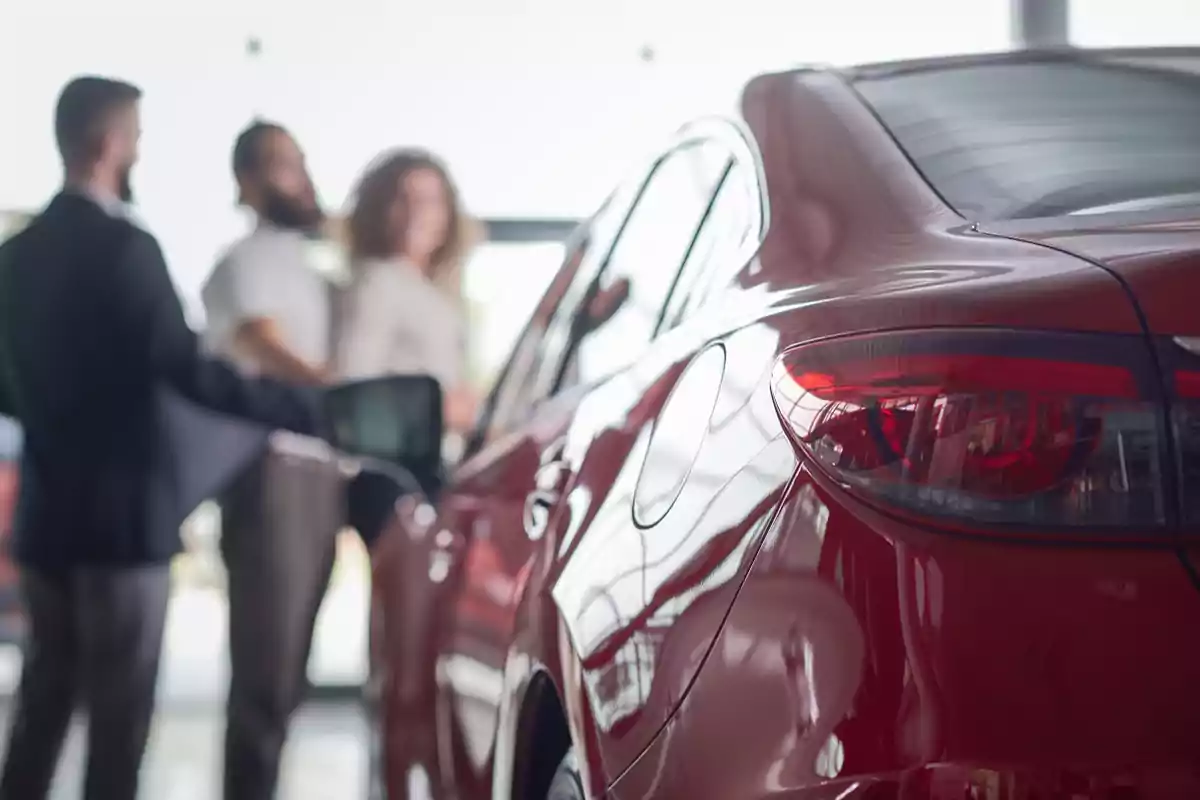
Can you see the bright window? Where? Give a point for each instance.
(502, 283)
(1147, 23)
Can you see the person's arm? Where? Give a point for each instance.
(252, 280)
(260, 339)
(460, 409)
(150, 317)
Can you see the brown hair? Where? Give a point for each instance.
(367, 227)
(85, 111)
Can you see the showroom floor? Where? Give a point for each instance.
(326, 758)
(327, 753)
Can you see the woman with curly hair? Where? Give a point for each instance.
(403, 312)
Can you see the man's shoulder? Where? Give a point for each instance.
(131, 231)
(262, 260)
(262, 247)
(238, 248)
(119, 227)
(71, 209)
(17, 247)
(103, 235)
(236, 257)
(131, 246)
(10, 244)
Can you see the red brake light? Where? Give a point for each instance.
(1186, 424)
(1187, 385)
(987, 428)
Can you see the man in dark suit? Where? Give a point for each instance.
(91, 332)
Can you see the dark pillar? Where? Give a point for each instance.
(1041, 23)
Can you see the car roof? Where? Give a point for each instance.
(1150, 56)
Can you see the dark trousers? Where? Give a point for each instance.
(277, 537)
(94, 638)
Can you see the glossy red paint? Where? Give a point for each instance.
(757, 631)
(922, 665)
(1157, 254)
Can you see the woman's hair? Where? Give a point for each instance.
(368, 226)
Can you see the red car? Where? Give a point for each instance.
(855, 453)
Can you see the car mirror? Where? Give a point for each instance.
(395, 419)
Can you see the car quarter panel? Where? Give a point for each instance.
(623, 592)
(867, 658)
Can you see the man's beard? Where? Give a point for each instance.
(125, 187)
(291, 213)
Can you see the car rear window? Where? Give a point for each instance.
(1007, 140)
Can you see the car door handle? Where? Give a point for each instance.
(538, 506)
(549, 481)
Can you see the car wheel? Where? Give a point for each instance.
(567, 783)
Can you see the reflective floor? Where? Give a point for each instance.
(326, 757)
(327, 752)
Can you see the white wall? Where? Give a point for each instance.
(1120, 23)
(536, 104)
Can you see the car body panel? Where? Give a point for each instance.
(865, 657)
(896, 272)
(483, 607)
(859, 237)
(618, 588)
(1154, 252)
(457, 573)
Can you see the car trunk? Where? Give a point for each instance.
(1157, 256)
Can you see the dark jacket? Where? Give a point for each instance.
(92, 334)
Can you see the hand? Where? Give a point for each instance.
(460, 407)
(323, 376)
(262, 341)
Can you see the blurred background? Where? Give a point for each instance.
(536, 105)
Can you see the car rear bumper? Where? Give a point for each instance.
(967, 782)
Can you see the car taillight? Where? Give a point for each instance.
(983, 428)
(1185, 418)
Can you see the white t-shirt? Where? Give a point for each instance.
(270, 274)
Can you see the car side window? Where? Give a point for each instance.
(721, 244)
(518, 387)
(625, 305)
(529, 376)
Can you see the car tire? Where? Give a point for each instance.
(567, 784)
